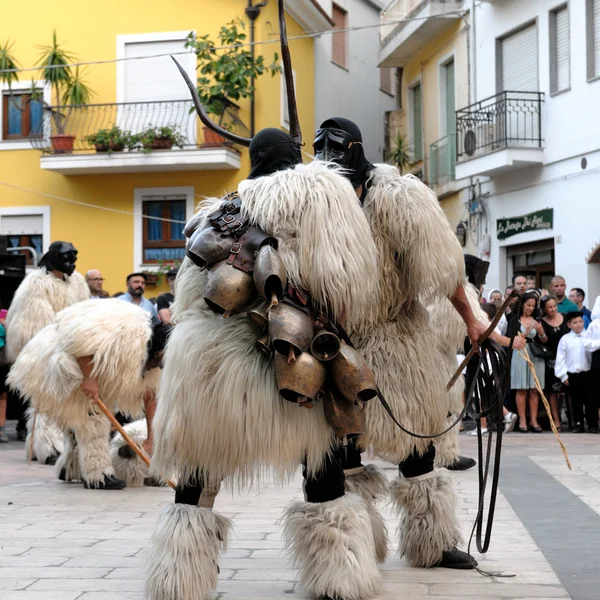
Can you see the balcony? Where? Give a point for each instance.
(194, 149)
(402, 41)
(499, 134)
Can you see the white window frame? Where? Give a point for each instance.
(32, 210)
(285, 123)
(23, 86)
(553, 42)
(187, 62)
(138, 220)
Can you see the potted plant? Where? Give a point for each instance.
(157, 277)
(8, 65)
(68, 90)
(112, 140)
(160, 138)
(400, 155)
(228, 71)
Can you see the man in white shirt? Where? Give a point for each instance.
(572, 367)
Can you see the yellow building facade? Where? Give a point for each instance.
(37, 188)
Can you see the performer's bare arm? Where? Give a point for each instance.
(150, 409)
(89, 385)
(165, 316)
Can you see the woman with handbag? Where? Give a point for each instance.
(555, 326)
(521, 378)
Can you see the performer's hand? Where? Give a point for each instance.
(148, 446)
(475, 330)
(90, 389)
(566, 382)
(519, 342)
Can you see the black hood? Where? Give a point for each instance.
(272, 150)
(61, 256)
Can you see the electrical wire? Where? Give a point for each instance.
(458, 13)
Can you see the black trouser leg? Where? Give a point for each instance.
(351, 454)
(577, 390)
(418, 464)
(188, 492)
(329, 483)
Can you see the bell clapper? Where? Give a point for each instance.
(291, 355)
(274, 301)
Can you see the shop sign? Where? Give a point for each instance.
(535, 221)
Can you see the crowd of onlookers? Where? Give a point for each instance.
(561, 357)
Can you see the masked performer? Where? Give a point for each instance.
(229, 405)
(419, 260)
(54, 285)
(91, 350)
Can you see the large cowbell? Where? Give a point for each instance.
(289, 84)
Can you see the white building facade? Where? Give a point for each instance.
(530, 145)
(348, 82)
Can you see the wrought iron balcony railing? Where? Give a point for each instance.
(507, 120)
(130, 126)
(442, 158)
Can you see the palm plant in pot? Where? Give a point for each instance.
(227, 72)
(68, 91)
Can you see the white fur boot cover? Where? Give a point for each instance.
(130, 469)
(182, 558)
(332, 545)
(371, 483)
(93, 445)
(48, 439)
(69, 459)
(429, 524)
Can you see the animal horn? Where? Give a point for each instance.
(237, 139)
(289, 77)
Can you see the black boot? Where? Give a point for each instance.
(154, 482)
(21, 435)
(126, 452)
(110, 483)
(51, 460)
(456, 559)
(462, 463)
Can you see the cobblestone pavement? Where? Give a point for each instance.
(61, 542)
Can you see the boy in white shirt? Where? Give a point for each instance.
(572, 367)
(591, 342)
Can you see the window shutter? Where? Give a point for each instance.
(562, 57)
(596, 30)
(338, 48)
(417, 125)
(520, 61)
(21, 225)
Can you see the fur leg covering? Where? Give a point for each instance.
(130, 469)
(429, 524)
(48, 439)
(371, 483)
(332, 545)
(182, 558)
(93, 444)
(446, 447)
(69, 459)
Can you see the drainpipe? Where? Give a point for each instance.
(252, 11)
(473, 52)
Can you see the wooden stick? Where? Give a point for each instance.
(525, 356)
(126, 437)
(484, 336)
(30, 449)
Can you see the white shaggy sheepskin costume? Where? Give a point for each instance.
(419, 260)
(451, 332)
(37, 300)
(220, 413)
(47, 373)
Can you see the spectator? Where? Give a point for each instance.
(136, 284)
(591, 342)
(573, 363)
(521, 378)
(495, 297)
(3, 388)
(520, 283)
(558, 287)
(577, 296)
(555, 327)
(95, 280)
(530, 282)
(164, 301)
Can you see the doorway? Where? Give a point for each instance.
(535, 259)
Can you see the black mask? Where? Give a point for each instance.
(476, 270)
(61, 256)
(272, 150)
(339, 140)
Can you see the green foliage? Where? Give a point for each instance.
(164, 266)
(8, 62)
(152, 134)
(113, 139)
(400, 155)
(226, 74)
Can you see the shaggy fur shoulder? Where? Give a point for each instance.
(324, 239)
(421, 256)
(39, 297)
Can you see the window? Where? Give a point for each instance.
(26, 227)
(339, 40)
(417, 126)
(518, 61)
(593, 38)
(22, 116)
(560, 77)
(448, 99)
(386, 80)
(164, 240)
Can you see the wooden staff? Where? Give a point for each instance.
(126, 437)
(484, 336)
